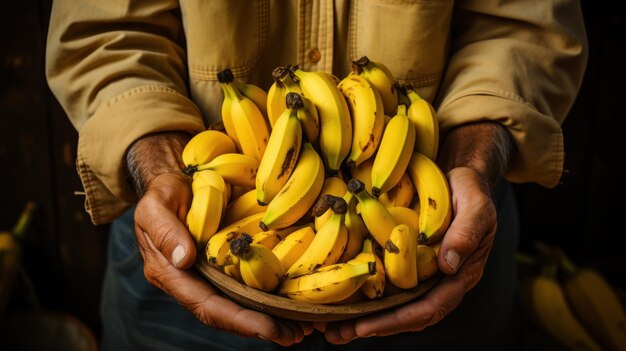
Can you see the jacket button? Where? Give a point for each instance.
(314, 55)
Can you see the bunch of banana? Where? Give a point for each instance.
(258, 266)
(205, 146)
(379, 75)
(282, 151)
(434, 197)
(335, 137)
(328, 284)
(424, 118)
(298, 194)
(366, 109)
(328, 243)
(394, 153)
(594, 302)
(243, 119)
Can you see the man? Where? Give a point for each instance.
(138, 78)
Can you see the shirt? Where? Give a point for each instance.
(124, 69)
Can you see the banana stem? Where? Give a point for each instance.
(23, 223)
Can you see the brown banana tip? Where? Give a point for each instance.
(279, 72)
(294, 101)
(362, 61)
(350, 164)
(372, 267)
(322, 205)
(225, 76)
(261, 203)
(190, 170)
(263, 226)
(239, 246)
(355, 186)
(375, 191)
(422, 238)
(339, 206)
(246, 237)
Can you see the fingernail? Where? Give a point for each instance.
(371, 335)
(452, 259)
(178, 255)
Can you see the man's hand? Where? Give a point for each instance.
(169, 251)
(474, 157)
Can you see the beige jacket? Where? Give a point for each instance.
(126, 68)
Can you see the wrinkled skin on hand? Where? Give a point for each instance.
(169, 252)
(467, 243)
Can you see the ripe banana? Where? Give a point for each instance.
(243, 206)
(205, 146)
(272, 237)
(394, 153)
(329, 284)
(381, 77)
(332, 186)
(374, 286)
(400, 195)
(378, 221)
(258, 266)
(218, 247)
(205, 214)
(595, 302)
(408, 216)
(254, 93)
(336, 126)
(363, 172)
(551, 312)
(356, 230)
(293, 246)
(434, 197)
(275, 102)
(368, 117)
(424, 118)
(209, 177)
(282, 152)
(327, 245)
(236, 169)
(427, 264)
(401, 257)
(248, 225)
(298, 194)
(246, 118)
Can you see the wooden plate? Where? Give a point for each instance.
(283, 307)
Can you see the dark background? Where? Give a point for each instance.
(64, 254)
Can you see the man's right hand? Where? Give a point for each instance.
(169, 251)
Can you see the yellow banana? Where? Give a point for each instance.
(298, 194)
(434, 197)
(332, 186)
(275, 102)
(232, 270)
(210, 177)
(272, 237)
(227, 119)
(281, 153)
(205, 214)
(293, 246)
(378, 221)
(400, 195)
(394, 153)
(243, 206)
(363, 172)
(401, 257)
(374, 286)
(427, 264)
(218, 247)
(237, 191)
(381, 77)
(248, 225)
(250, 127)
(335, 137)
(551, 312)
(254, 93)
(327, 245)
(236, 169)
(356, 230)
(424, 118)
(404, 215)
(368, 117)
(206, 145)
(329, 284)
(258, 266)
(595, 302)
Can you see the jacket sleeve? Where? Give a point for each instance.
(519, 63)
(118, 70)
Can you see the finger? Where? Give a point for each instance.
(205, 303)
(307, 327)
(166, 231)
(475, 216)
(290, 332)
(320, 326)
(341, 332)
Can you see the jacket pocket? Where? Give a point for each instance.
(410, 37)
(224, 34)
